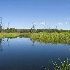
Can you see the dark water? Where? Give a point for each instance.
(24, 54)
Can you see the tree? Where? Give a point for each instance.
(0, 24)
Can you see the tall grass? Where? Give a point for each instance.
(63, 38)
(60, 65)
(42, 37)
(12, 35)
(2, 35)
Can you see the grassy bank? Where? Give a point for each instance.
(42, 37)
(3, 35)
(55, 38)
(13, 35)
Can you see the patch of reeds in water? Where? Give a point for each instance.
(63, 38)
(61, 65)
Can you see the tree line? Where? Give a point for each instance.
(13, 30)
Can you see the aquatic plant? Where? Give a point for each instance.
(63, 38)
(12, 35)
(60, 65)
(65, 65)
(42, 37)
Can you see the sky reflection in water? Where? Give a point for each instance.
(25, 54)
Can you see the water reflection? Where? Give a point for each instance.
(44, 41)
(29, 54)
(1, 45)
(33, 42)
(8, 41)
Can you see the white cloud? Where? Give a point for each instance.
(43, 23)
(60, 23)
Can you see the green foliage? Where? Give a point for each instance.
(62, 66)
(0, 28)
(8, 35)
(43, 37)
(12, 35)
(26, 35)
(11, 30)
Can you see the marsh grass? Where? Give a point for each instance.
(42, 37)
(65, 65)
(26, 35)
(14, 35)
(60, 65)
(55, 38)
(8, 35)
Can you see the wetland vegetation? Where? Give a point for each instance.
(53, 36)
(42, 36)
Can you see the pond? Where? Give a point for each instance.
(25, 54)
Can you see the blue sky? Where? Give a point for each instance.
(21, 13)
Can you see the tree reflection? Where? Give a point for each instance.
(33, 42)
(8, 41)
(1, 45)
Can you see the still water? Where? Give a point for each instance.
(25, 54)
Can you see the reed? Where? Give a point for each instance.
(62, 65)
(63, 38)
(12, 35)
(42, 37)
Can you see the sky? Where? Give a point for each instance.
(44, 14)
